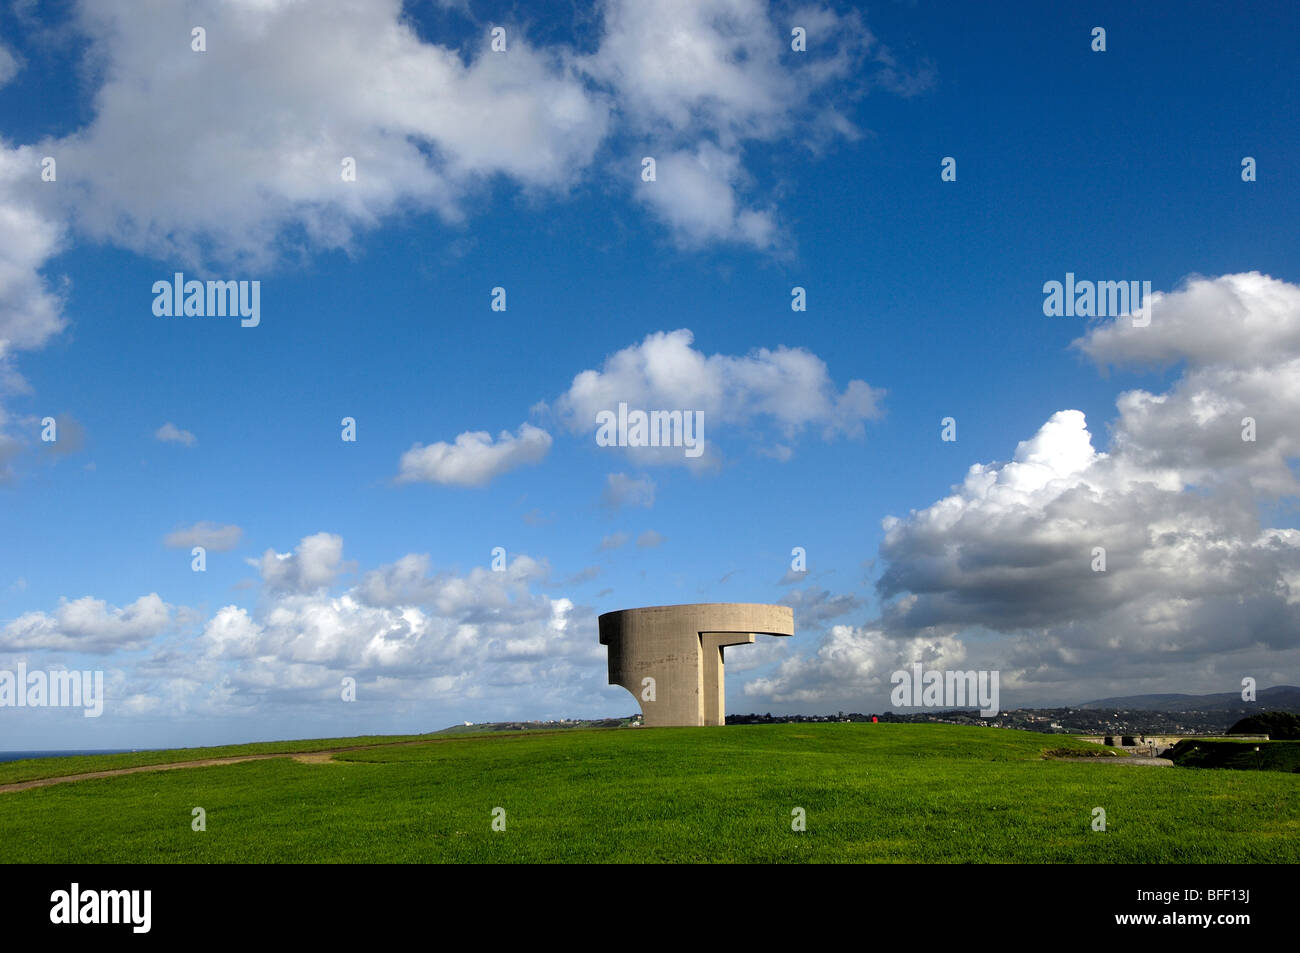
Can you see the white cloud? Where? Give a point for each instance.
(170, 433)
(30, 310)
(315, 563)
(89, 625)
(406, 632)
(1239, 338)
(790, 388)
(30, 305)
(710, 64)
(852, 662)
(407, 581)
(695, 190)
(231, 633)
(474, 459)
(650, 539)
(163, 169)
(697, 81)
(1013, 550)
(1243, 320)
(212, 536)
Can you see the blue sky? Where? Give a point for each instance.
(521, 169)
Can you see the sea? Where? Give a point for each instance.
(20, 755)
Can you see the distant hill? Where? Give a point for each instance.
(471, 728)
(1277, 698)
(1278, 725)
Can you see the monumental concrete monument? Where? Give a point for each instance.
(670, 657)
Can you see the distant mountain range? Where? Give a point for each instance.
(1277, 698)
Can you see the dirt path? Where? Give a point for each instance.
(303, 757)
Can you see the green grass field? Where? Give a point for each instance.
(877, 793)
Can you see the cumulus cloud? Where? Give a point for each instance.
(170, 433)
(30, 307)
(695, 190)
(315, 563)
(231, 633)
(650, 539)
(312, 84)
(89, 625)
(697, 81)
(408, 580)
(474, 459)
(1193, 582)
(1243, 320)
(622, 490)
(711, 63)
(1188, 574)
(788, 388)
(407, 631)
(211, 536)
(852, 661)
(1238, 339)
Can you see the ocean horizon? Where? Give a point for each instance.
(21, 755)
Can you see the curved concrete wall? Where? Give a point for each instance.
(680, 649)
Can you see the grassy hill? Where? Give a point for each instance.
(675, 795)
(1238, 755)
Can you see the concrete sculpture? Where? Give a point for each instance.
(670, 657)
